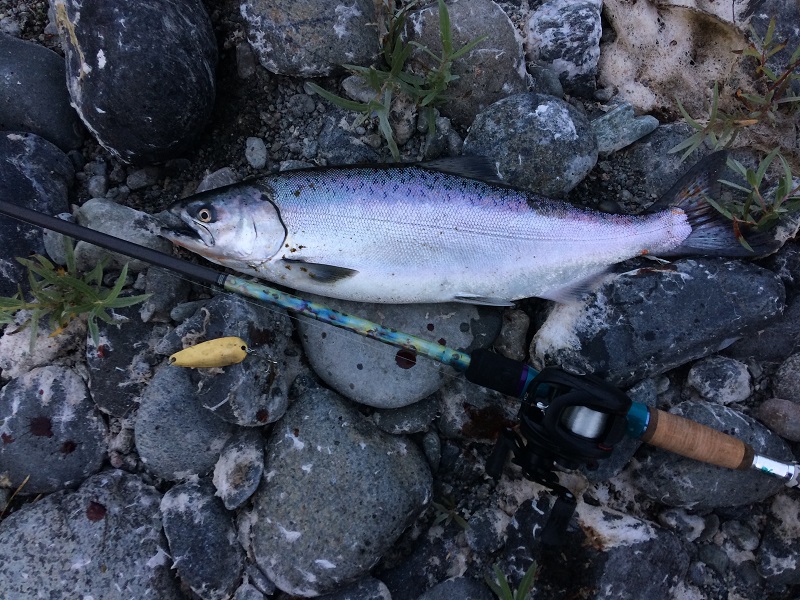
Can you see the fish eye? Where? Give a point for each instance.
(205, 214)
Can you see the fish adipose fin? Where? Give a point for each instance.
(482, 300)
(712, 233)
(319, 272)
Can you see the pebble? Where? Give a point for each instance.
(459, 587)
(780, 543)
(311, 38)
(239, 468)
(106, 47)
(378, 375)
(513, 335)
(142, 178)
(681, 482)
(541, 143)
(52, 435)
(596, 334)
(219, 178)
(414, 418)
(110, 543)
(786, 381)
(37, 175)
(33, 97)
(620, 127)
(208, 558)
(255, 152)
(492, 70)
(781, 416)
(720, 379)
(312, 537)
(565, 36)
(367, 588)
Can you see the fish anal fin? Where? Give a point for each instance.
(481, 300)
(576, 289)
(319, 272)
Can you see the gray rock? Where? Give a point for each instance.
(255, 391)
(414, 418)
(780, 543)
(487, 530)
(373, 373)
(463, 588)
(721, 379)
(620, 127)
(255, 152)
(565, 36)
(540, 143)
(367, 588)
(628, 330)
(774, 341)
(472, 412)
(781, 416)
(311, 38)
(103, 540)
(51, 431)
(677, 481)
(492, 70)
(33, 97)
(112, 85)
(97, 186)
(121, 363)
(142, 178)
(545, 80)
(245, 60)
(239, 468)
(511, 341)
(445, 140)
(786, 382)
(248, 592)
(176, 437)
(34, 174)
(207, 558)
(689, 526)
(338, 494)
(121, 222)
(219, 178)
(338, 145)
(432, 447)
(55, 244)
(166, 291)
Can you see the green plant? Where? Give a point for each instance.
(64, 293)
(502, 588)
(447, 512)
(391, 79)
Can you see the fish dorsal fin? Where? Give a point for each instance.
(473, 167)
(321, 273)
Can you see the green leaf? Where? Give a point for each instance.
(124, 301)
(466, 48)
(94, 330)
(526, 585)
(735, 186)
(338, 100)
(719, 208)
(444, 29)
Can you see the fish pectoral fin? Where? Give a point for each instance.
(482, 300)
(320, 272)
(576, 288)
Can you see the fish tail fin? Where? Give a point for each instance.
(712, 233)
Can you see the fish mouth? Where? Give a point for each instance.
(180, 229)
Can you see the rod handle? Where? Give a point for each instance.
(693, 440)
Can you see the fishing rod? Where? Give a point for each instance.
(565, 418)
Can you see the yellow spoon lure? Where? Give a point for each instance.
(219, 352)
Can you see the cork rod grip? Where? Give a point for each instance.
(693, 440)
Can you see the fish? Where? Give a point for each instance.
(442, 231)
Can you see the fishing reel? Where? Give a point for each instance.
(565, 420)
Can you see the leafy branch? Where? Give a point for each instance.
(392, 79)
(502, 588)
(63, 294)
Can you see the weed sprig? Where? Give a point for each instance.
(502, 588)
(64, 293)
(426, 91)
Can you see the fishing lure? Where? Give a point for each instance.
(219, 352)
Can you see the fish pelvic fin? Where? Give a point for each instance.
(481, 300)
(319, 272)
(712, 234)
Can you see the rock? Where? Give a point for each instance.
(367, 588)
(677, 481)
(628, 330)
(121, 363)
(55, 244)
(781, 416)
(255, 152)
(219, 178)
(721, 380)
(338, 494)
(773, 341)
(310, 38)
(34, 174)
(780, 544)
(540, 143)
(166, 291)
(121, 222)
(463, 588)
(511, 341)
(487, 530)
(620, 127)
(432, 447)
(33, 97)
(414, 418)
(565, 36)
(208, 557)
(688, 526)
(255, 391)
(786, 382)
(176, 437)
(337, 144)
(473, 412)
(113, 52)
(109, 543)
(383, 376)
(239, 468)
(51, 432)
(492, 70)
(143, 178)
